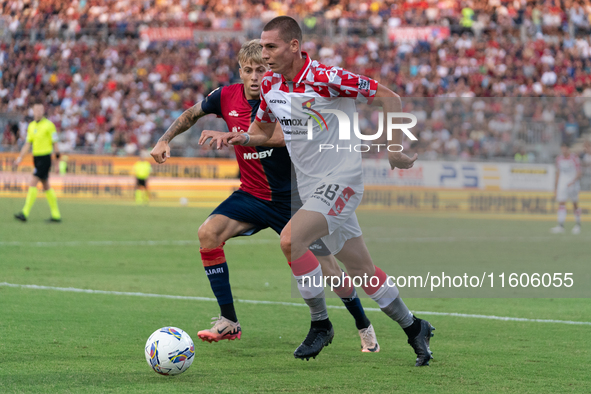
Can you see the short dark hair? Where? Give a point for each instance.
(288, 28)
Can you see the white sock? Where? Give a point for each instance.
(308, 273)
(311, 285)
(311, 288)
(384, 292)
(561, 215)
(578, 216)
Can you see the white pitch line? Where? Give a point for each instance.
(260, 302)
(255, 241)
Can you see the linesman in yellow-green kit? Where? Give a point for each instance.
(42, 135)
(142, 170)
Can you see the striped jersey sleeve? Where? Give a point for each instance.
(343, 83)
(264, 114)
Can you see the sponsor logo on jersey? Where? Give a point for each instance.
(233, 113)
(258, 155)
(315, 114)
(277, 101)
(291, 122)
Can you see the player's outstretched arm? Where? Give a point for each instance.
(161, 151)
(276, 141)
(216, 138)
(258, 134)
(390, 102)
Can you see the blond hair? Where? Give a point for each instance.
(250, 52)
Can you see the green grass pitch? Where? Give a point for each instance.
(55, 341)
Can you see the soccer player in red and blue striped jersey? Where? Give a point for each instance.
(263, 200)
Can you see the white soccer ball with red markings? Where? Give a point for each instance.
(170, 351)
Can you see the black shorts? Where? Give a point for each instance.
(42, 166)
(244, 207)
(141, 182)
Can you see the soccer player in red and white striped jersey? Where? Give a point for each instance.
(330, 184)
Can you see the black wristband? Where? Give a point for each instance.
(57, 155)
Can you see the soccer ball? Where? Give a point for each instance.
(170, 351)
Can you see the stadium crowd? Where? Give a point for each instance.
(52, 16)
(109, 90)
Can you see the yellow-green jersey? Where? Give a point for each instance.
(42, 135)
(467, 15)
(142, 169)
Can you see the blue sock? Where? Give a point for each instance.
(355, 308)
(219, 279)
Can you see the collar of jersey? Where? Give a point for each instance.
(300, 75)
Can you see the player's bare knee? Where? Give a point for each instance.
(208, 237)
(285, 242)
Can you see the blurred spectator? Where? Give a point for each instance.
(586, 156)
(524, 157)
(571, 130)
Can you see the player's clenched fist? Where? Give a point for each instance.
(400, 160)
(161, 152)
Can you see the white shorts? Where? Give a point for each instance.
(568, 193)
(337, 201)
